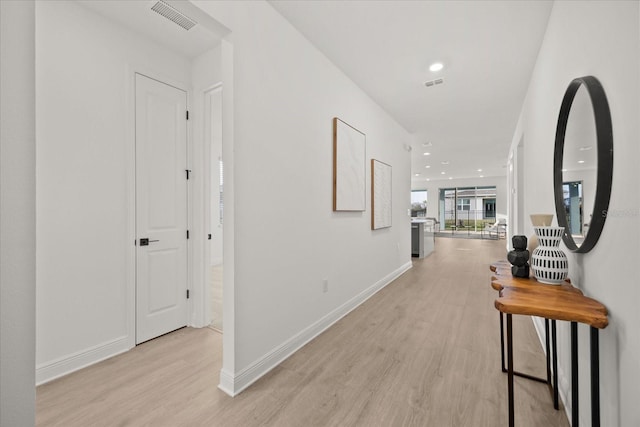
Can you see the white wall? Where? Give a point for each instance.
(84, 77)
(286, 94)
(599, 39)
(17, 213)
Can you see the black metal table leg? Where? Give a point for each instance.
(595, 378)
(516, 373)
(504, 369)
(510, 370)
(575, 412)
(556, 404)
(547, 341)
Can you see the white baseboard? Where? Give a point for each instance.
(235, 384)
(49, 371)
(226, 383)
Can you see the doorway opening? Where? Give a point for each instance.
(88, 299)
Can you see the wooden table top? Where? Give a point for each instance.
(529, 297)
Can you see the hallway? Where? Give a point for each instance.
(424, 351)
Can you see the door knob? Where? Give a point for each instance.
(145, 241)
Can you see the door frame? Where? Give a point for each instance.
(201, 313)
(131, 70)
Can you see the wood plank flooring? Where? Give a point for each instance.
(424, 351)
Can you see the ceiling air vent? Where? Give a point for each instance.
(173, 15)
(434, 82)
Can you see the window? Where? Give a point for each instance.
(419, 203)
(469, 207)
(464, 204)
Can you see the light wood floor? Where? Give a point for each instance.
(424, 351)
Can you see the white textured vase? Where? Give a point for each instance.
(538, 220)
(548, 262)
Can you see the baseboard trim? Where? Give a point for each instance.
(235, 384)
(49, 371)
(226, 383)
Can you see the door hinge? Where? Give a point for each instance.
(187, 293)
(209, 236)
(187, 115)
(188, 171)
(187, 234)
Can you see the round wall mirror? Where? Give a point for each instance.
(583, 163)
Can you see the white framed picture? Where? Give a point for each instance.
(380, 195)
(349, 167)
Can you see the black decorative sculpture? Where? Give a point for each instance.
(519, 257)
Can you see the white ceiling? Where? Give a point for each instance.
(488, 49)
(137, 15)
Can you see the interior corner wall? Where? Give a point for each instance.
(85, 164)
(287, 238)
(17, 213)
(599, 38)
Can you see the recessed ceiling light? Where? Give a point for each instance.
(564, 170)
(436, 66)
(450, 177)
(580, 161)
(479, 170)
(428, 166)
(445, 162)
(585, 148)
(427, 154)
(442, 173)
(481, 176)
(427, 179)
(417, 174)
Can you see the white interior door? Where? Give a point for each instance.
(161, 208)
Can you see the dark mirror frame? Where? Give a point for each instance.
(604, 138)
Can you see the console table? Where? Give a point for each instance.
(552, 302)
